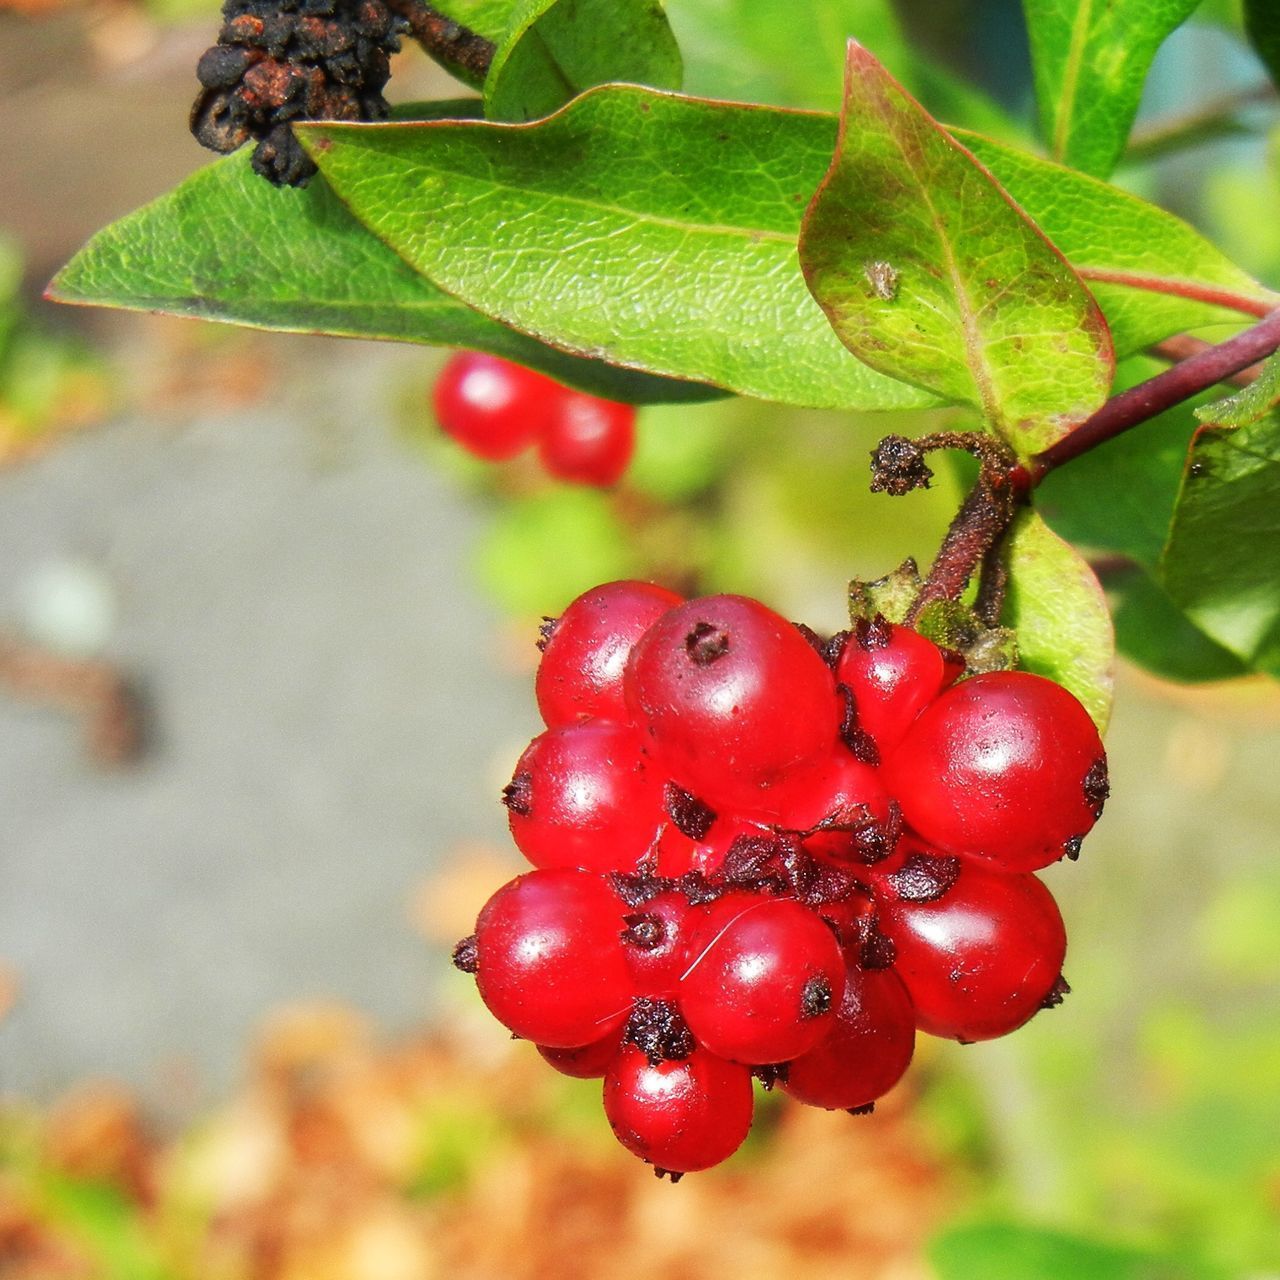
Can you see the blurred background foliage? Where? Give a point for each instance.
(1134, 1132)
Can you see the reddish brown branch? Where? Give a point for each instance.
(1183, 346)
(453, 46)
(1151, 398)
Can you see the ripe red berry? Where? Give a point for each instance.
(654, 937)
(590, 1062)
(893, 674)
(764, 981)
(585, 795)
(491, 407)
(586, 650)
(588, 440)
(867, 1050)
(550, 961)
(679, 1116)
(733, 695)
(842, 804)
(981, 959)
(1006, 766)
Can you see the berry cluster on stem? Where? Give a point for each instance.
(761, 852)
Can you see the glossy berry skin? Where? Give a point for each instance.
(893, 674)
(655, 938)
(680, 1116)
(586, 651)
(491, 407)
(585, 795)
(588, 440)
(842, 796)
(1006, 766)
(765, 979)
(733, 696)
(550, 962)
(979, 961)
(590, 1062)
(868, 1049)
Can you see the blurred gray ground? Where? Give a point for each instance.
(292, 591)
(290, 587)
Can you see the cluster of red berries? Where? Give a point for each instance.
(496, 409)
(761, 853)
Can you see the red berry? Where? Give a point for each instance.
(680, 1116)
(867, 1050)
(491, 407)
(550, 961)
(893, 674)
(586, 650)
(654, 936)
(589, 1062)
(764, 981)
(842, 803)
(981, 959)
(1007, 766)
(585, 795)
(588, 440)
(733, 695)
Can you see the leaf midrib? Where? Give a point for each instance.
(1071, 78)
(977, 367)
(754, 234)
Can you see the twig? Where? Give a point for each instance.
(1153, 397)
(453, 46)
(1183, 346)
(1211, 120)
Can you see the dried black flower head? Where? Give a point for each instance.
(278, 61)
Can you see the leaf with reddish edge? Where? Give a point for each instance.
(929, 272)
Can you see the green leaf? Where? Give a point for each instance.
(648, 229)
(1222, 561)
(1120, 496)
(543, 551)
(1091, 58)
(554, 49)
(1056, 606)
(101, 1221)
(226, 246)
(660, 231)
(999, 1250)
(1153, 632)
(930, 273)
(488, 18)
(1249, 405)
(1152, 273)
(1262, 25)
